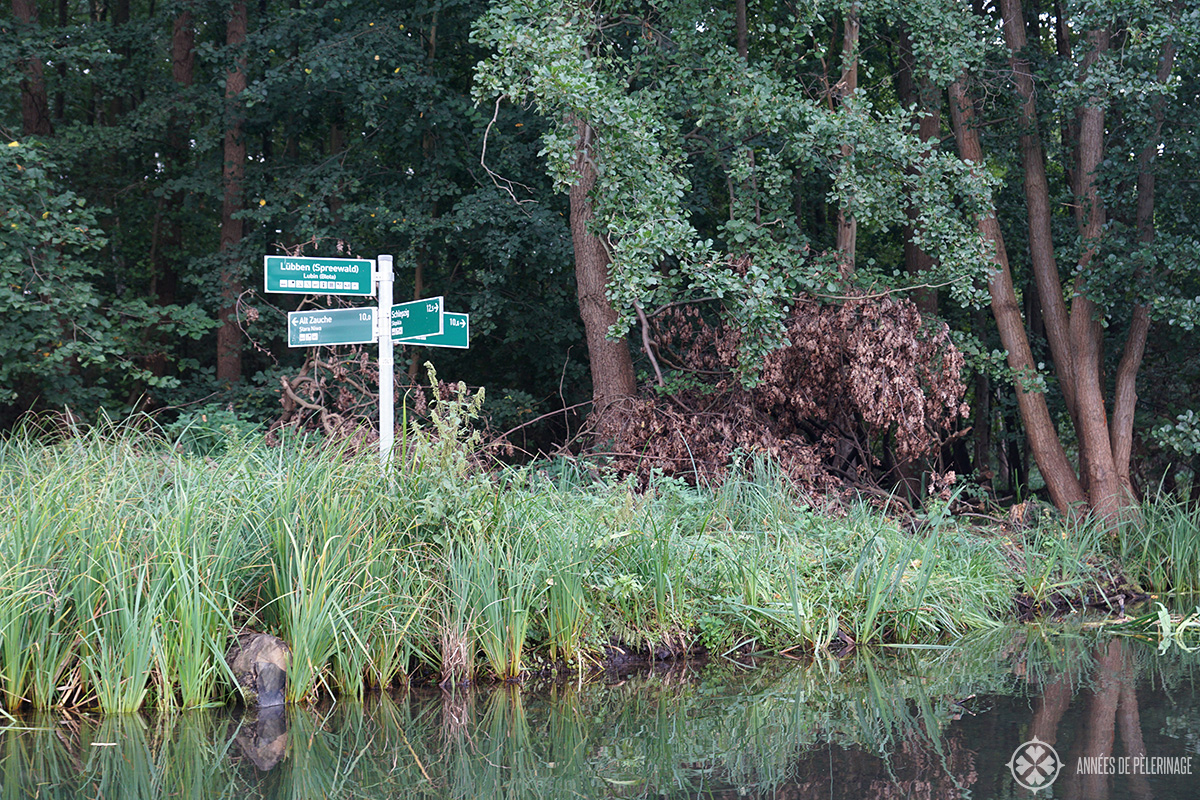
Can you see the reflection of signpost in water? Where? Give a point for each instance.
(421, 322)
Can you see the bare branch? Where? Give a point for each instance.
(646, 344)
(500, 181)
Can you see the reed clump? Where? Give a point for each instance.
(128, 565)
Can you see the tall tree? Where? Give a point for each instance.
(35, 104)
(1076, 330)
(229, 336)
(662, 88)
(926, 99)
(611, 364)
(847, 224)
(1061, 480)
(166, 248)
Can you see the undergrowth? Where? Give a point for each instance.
(129, 563)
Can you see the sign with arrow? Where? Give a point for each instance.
(332, 326)
(456, 333)
(420, 323)
(417, 318)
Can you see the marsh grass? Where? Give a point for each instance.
(120, 601)
(507, 581)
(1161, 550)
(200, 547)
(1062, 560)
(129, 566)
(317, 601)
(396, 635)
(457, 616)
(568, 610)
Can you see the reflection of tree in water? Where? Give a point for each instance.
(1110, 706)
(916, 770)
(918, 724)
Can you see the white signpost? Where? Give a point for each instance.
(420, 322)
(387, 366)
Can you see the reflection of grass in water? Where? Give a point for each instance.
(1164, 628)
(673, 732)
(120, 755)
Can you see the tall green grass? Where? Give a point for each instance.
(1161, 550)
(128, 565)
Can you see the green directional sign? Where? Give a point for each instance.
(457, 333)
(417, 318)
(333, 326)
(290, 275)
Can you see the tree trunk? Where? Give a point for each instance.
(60, 96)
(847, 224)
(119, 10)
(422, 256)
(611, 363)
(35, 103)
(229, 339)
(1075, 338)
(167, 243)
(1087, 342)
(183, 72)
(928, 102)
(982, 409)
(1057, 471)
(1125, 394)
(1037, 202)
(1069, 130)
(743, 32)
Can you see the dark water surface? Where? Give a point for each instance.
(893, 723)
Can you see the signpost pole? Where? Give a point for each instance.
(387, 362)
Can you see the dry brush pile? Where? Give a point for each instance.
(864, 391)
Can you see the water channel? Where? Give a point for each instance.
(1113, 717)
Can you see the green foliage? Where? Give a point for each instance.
(1181, 437)
(66, 339)
(210, 430)
(720, 178)
(361, 139)
(1062, 561)
(1161, 550)
(661, 85)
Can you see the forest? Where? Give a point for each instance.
(898, 248)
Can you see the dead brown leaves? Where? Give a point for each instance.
(863, 385)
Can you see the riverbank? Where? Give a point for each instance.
(127, 566)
